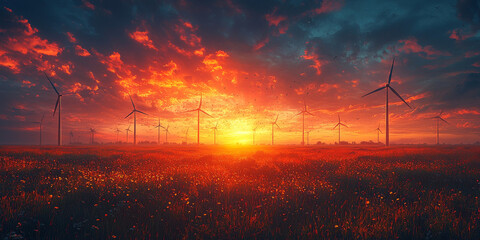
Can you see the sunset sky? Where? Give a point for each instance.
(251, 60)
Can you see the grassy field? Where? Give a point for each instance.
(207, 192)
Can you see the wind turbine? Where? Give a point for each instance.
(186, 136)
(128, 130)
(303, 120)
(166, 133)
(92, 135)
(71, 136)
(386, 87)
(339, 124)
(273, 127)
(199, 109)
(59, 105)
(308, 136)
(254, 131)
(439, 117)
(158, 126)
(117, 131)
(40, 123)
(378, 133)
(134, 111)
(215, 134)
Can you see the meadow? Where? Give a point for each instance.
(261, 192)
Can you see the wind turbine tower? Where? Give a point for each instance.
(59, 105)
(339, 124)
(387, 87)
(439, 117)
(134, 111)
(198, 110)
(273, 129)
(303, 120)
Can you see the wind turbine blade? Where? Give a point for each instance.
(131, 101)
(299, 113)
(391, 70)
(216, 125)
(276, 119)
(128, 116)
(336, 126)
(376, 90)
(56, 105)
(277, 125)
(443, 120)
(205, 113)
(309, 113)
(440, 113)
(140, 112)
(54, 88)
(339, 117)
(193, 110)
(380, 131)
(343, 125)
(398, 95)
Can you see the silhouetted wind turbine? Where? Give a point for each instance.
(117, 131)
(215, 134)
(186, 136)
(378, 133)
(134, 111)
(439, 117)
(386, 87)
(199, 109)
(71, 136)
(273, 127)
(128, 130)
(166, 133)
(338, 125)
(303, 120)
(40, 123)
(308, 136)
(59, 105)
(158, 126)
(92, 135)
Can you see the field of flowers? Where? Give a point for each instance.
(189, 192)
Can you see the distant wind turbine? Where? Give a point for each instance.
(158, 126)
(439, 117)
(166, 133)
(40, 124)
(128, 130)
(339, 124)
(186, 136)
(134, 111)
(59, 105)
(386, 87)
(92, 135)
(308, 136)
(378, 133)
(71, 136)
(117, 131)
(215, 134)
(199, 109)
(303, 120)
(273, 127)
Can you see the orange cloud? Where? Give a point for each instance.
(81, 51)
(142, 37)
(317, 64)
(261, 44)
(329, 6)
(468, 111)
(411, 46)
(9, 63)
(71, 38)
